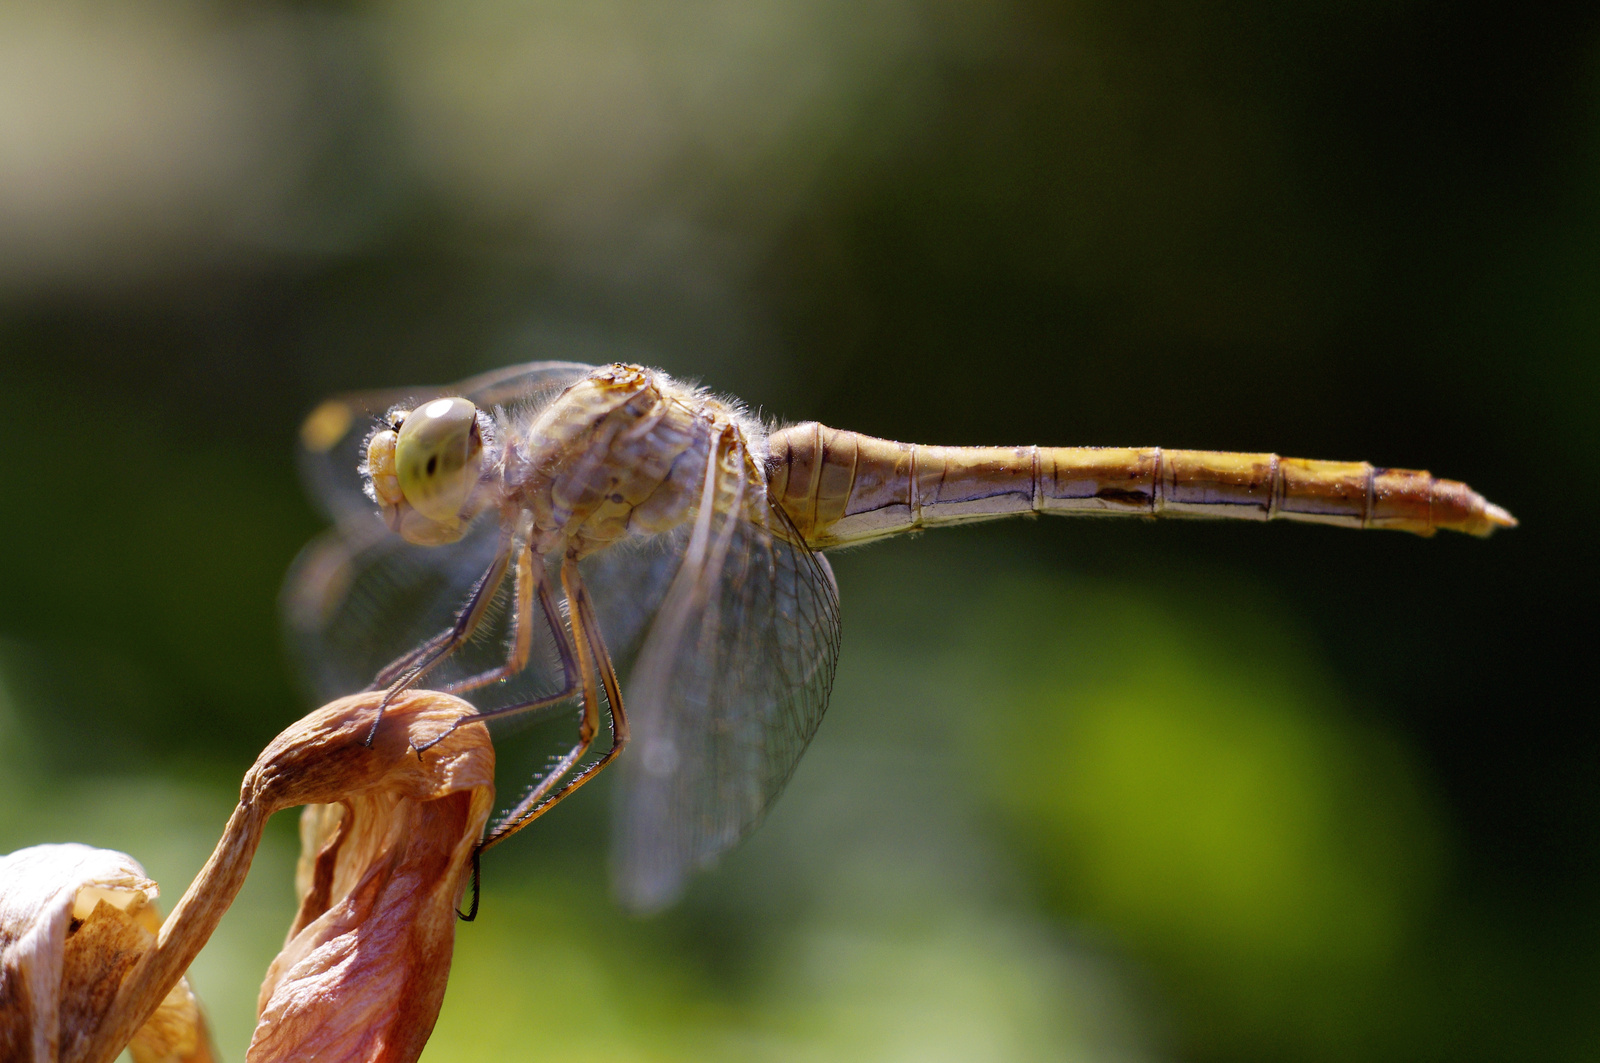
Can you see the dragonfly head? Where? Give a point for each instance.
(422, 469)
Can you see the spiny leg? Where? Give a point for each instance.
(436, 648)
(592, 655)
(408, 669)
(438, 644)
(533, 582)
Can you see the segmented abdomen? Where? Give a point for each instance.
(843, 487)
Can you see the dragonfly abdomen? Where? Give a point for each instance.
(842, 488)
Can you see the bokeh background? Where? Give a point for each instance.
(1087, 791)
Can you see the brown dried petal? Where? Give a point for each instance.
(73, 921)
(176, 1033)
(363, 973)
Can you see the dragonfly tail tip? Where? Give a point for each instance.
(1498, 516)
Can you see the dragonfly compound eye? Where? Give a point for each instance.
(436, 457)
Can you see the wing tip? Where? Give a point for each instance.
(644, 896)
(326, 425)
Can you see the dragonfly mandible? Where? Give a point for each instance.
(519, 535)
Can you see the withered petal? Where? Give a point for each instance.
(73, 921)
(363, 973)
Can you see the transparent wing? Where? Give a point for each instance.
(354, 602)
(730, 685)
(628, 582)
(333, 435)
(534, 383)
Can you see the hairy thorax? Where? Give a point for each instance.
(625, 452)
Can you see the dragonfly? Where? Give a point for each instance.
(522, 535)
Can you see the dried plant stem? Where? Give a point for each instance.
(183, 933)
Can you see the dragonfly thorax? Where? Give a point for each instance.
(624, 452)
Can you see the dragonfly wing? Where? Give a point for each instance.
(333, 441)
(357, 598)
(333, 438)
(729, 686)
(628, 582)
(533, 383)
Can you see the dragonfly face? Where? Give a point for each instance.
(424, 469)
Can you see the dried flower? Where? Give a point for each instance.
(85, 972)
(73, 920)
(363, 972)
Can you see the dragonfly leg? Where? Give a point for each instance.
(592, 658)
(434, 649)
(532, 583)
(409, 667)
(407, 670)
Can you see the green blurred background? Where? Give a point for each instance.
(1091, 791)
